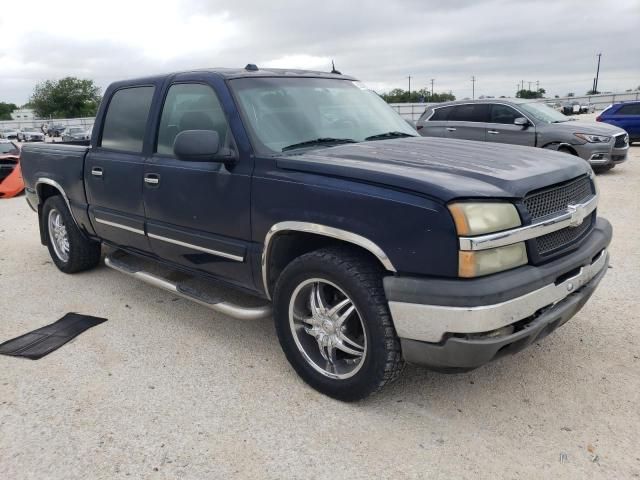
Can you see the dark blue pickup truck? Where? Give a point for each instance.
(303, 196)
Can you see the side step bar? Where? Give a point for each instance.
(235, 311)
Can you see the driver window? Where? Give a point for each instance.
(503, 114)
(190, 107)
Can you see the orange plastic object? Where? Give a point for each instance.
(13, 184)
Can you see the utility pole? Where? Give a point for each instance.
(517, 89)
(432, 80)
(473, 87)
(537, 85)
(522, 87)
(595, 88)
(529, 86)
(409, 77)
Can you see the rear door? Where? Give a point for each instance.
(436, 124)
(468, 122)
(198, 212)
(114, 169)
(501, 127)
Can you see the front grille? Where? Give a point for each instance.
(546, 244)
(621, 141)
(555, 199)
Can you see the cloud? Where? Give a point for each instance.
(500, 42)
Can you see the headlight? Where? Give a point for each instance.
(483, 262)
(476, 218)
(593, 138)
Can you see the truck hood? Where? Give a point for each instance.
(577, 126)
(441, 168)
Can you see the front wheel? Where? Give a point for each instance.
(334, 324)
(70, 250)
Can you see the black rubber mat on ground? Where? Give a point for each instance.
(41, 342)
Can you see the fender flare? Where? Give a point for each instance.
(322, 230)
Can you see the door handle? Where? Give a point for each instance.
(152, 179)
(493, 132)
(451, 129)
(96, 171)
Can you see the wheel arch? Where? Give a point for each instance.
(46, 188)
(558, 146)
(286, 241)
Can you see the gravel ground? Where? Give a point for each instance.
(168, 389)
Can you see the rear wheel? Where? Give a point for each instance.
(70, 250)
(334, 325)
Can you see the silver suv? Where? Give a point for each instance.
(526, 122)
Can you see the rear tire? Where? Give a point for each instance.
(346, 360)
(70, 250)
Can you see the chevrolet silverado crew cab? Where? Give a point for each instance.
(302, 196)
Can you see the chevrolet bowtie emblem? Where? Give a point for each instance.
(577, 212)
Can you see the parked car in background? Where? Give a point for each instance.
(376, 246)
(4, 132)
(56, 130)
(31, 136)
(11, 134)
(11, 182)
(523, 122)
(587, 108)
(76, 133)
(625, 115)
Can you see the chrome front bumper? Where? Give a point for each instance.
(430, 323)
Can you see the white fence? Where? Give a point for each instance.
(25, 125)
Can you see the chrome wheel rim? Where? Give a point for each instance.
(327, 328)
(58, 234)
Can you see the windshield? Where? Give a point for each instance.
(543, 113)
(309, 112)
(8, 148)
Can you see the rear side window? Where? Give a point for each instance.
(477, 112)
(190, 107)
(504, 114)
(440, 114)
(126, 119)
(631, 109)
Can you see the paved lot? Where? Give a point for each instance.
(167, 389)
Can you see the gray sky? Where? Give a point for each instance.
(499, 41)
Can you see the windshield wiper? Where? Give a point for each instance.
(319, 141)
(382, 136)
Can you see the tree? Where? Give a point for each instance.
(531, 93)
(398, 95)
(66, 98)
(6, 109)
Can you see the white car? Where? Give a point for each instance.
(32, 136)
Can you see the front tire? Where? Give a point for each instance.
(334, 324)
(70, 250)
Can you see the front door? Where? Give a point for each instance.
(198, 213)
(114, 169)
(502, 128)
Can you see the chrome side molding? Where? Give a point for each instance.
(235, 311)
(323, 230)
(218, 253)
(119, 225)
(573, 217)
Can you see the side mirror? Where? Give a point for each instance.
(523, 122)
(200, 146)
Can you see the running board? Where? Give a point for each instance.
(119, 263)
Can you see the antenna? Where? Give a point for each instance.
(333, 69)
